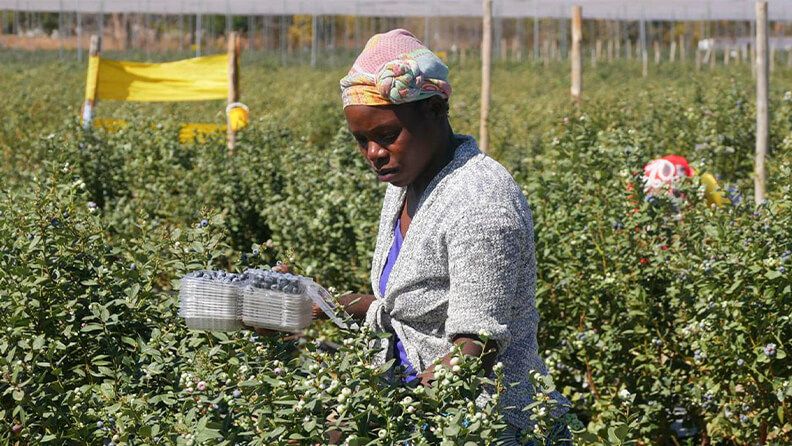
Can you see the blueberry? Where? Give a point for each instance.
(244, 257)
(274, 287)
(132, 266)
(740, 362)
(770, 349)
(204, 223)
(55, 222)
(92, 205)
(99, 424)
(237, 393)
(255, 252)
(743, 418)
(781, 269)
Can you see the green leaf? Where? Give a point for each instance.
(773, 274)
(38, 342)
(451, 431)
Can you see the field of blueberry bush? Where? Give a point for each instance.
(664, 321)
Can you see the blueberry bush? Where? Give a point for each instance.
(664, 320)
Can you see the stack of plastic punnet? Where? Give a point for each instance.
(275, 301)
(210, 300)
(282, 302)
(217, 300)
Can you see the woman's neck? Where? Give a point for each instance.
(416, 189)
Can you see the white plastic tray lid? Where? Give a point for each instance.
(321, 297)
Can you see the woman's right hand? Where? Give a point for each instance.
(317, 312)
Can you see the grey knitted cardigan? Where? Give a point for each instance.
(467, 264)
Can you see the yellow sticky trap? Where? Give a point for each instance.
(197, 79)
(199, 132)
(238, 115)
(442, 55)
(712, 190)
(109, 124)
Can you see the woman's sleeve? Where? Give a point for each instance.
(490, 252)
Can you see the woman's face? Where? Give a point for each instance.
(399, 141)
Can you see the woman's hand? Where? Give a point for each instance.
(471, 345)
(427, 376)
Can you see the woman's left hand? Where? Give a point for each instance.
(427, 376)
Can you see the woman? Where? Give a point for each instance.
(454, 255)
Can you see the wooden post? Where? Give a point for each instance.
(91, 81)
(577, 56)
(762, 114)
(314, 39)
(598, 50)
(198, 35)
(233, 84)
(79, 35)
(656, 48)
(486, 67)
(546, 53)
(682, 47)
(752, 49)
(644, 50)
(611, 48)
(672, 51)
(536, 33)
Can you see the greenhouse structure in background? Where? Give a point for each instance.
(319, 32)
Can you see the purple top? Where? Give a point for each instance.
(398, 348)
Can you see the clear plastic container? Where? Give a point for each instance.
(208, 301)
(216, 300)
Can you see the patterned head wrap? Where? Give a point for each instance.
(394, 68)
